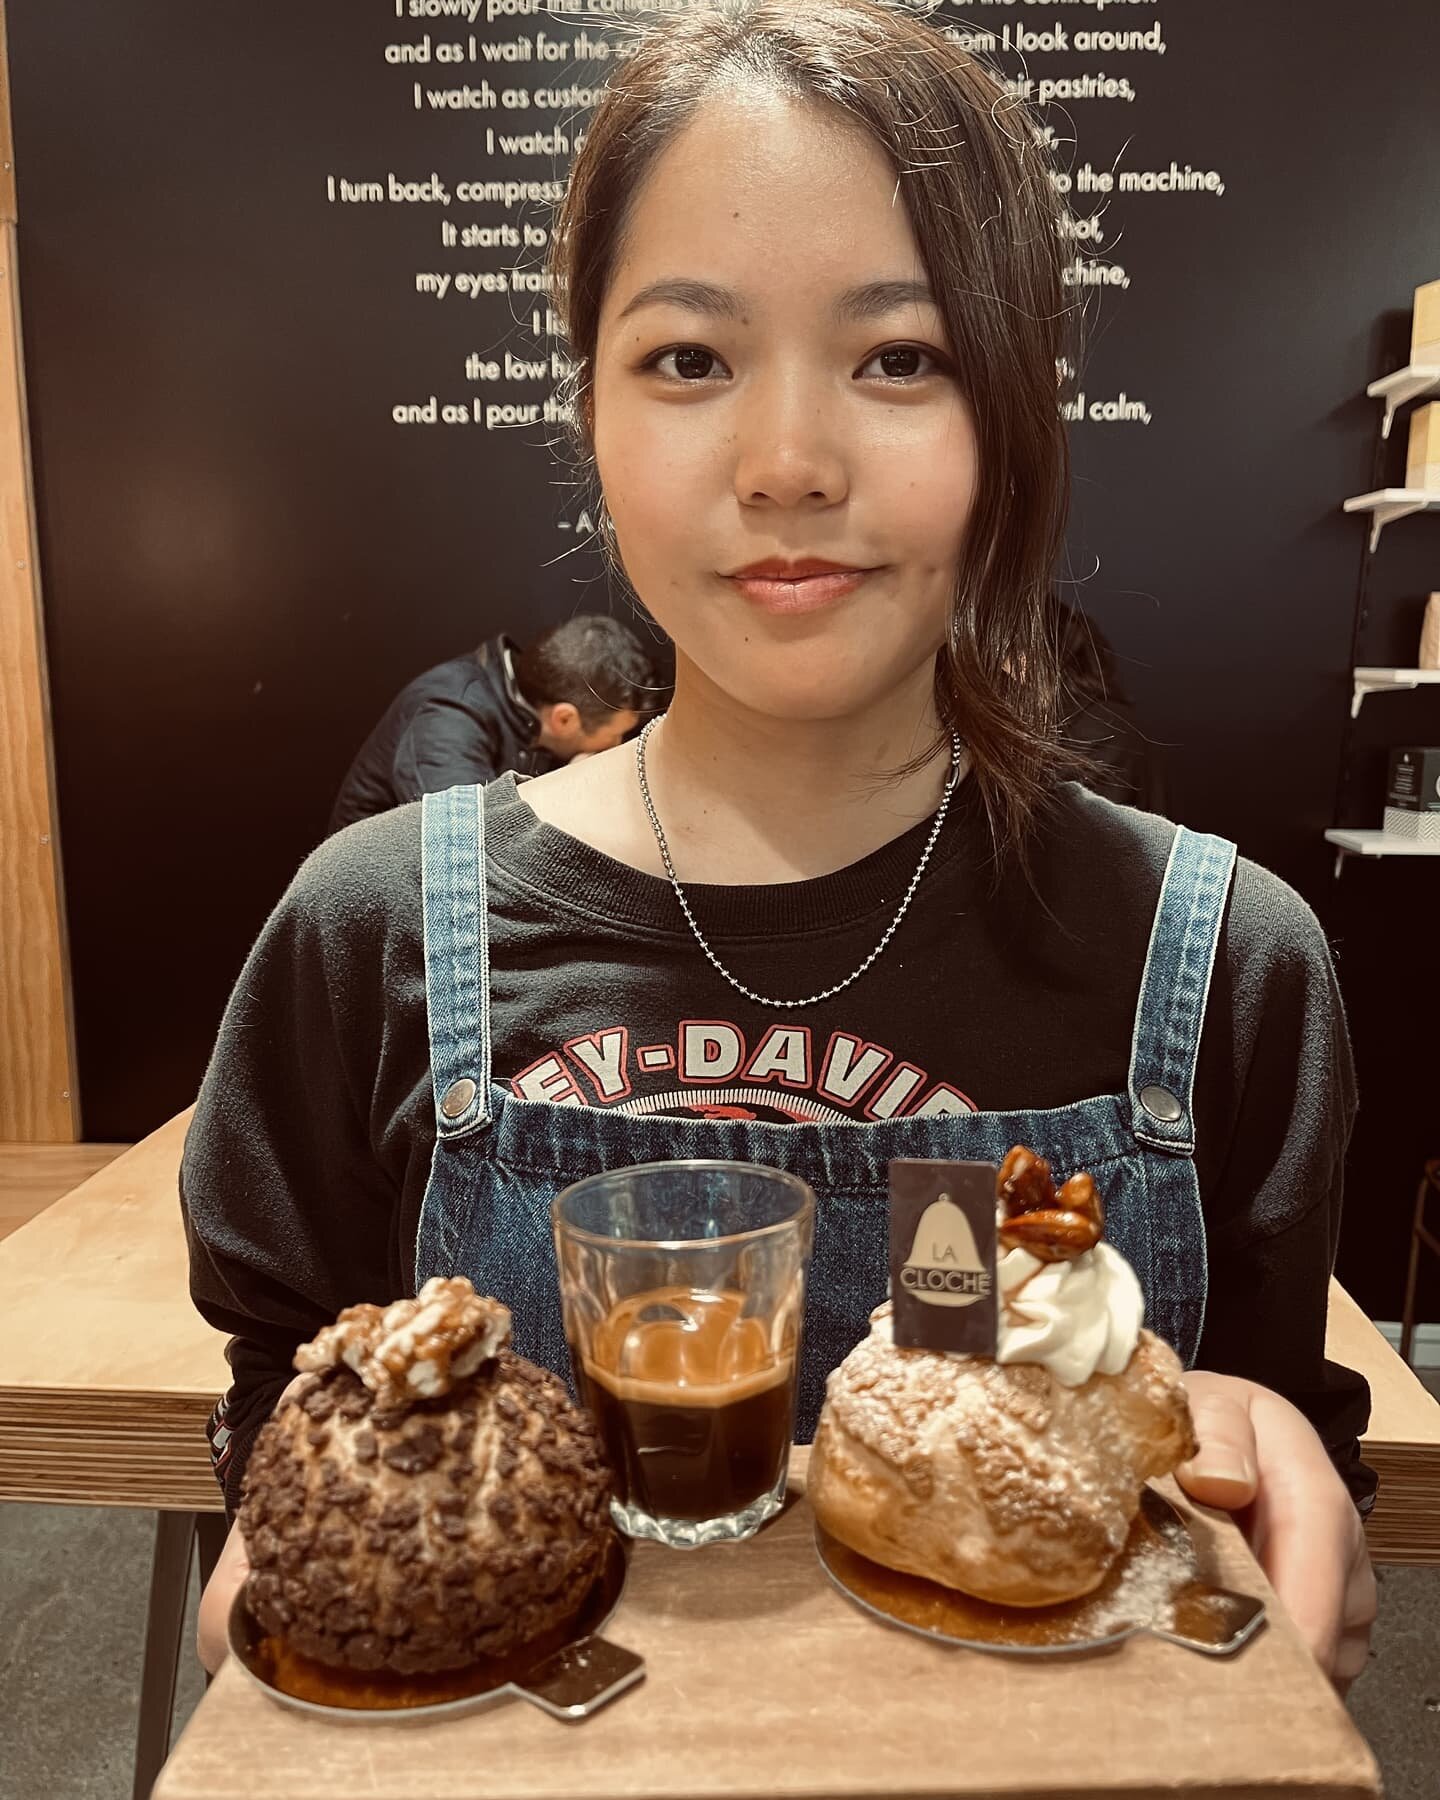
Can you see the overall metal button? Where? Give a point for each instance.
(1161, 1104)
(460, 1093)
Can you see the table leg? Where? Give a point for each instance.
(164, 1627)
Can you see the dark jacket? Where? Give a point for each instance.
(464, 720)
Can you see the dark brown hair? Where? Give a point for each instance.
(976, 179)
(595, 662)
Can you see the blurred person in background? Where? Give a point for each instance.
(580, 687)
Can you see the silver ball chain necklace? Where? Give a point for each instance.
(956, 753)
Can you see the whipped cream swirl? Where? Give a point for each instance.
(1075, 1317)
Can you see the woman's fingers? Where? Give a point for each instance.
(1311, 1541)
(1258, 1452)
(230, 1571)
(1305, 1530)
(1226, 1468)
(1362, 1598)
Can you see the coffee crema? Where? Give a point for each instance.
(694, 1405)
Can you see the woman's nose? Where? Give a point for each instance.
(789, 444)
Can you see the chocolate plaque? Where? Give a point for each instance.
(942, 1255)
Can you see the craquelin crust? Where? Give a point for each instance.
(994, 1479)
(421, 1537)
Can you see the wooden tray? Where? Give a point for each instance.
(764, 1681)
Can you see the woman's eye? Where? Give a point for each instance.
(692, 366)
(905, 354)
(690, 362)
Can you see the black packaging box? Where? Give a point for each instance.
(1412, 798)
(1414, 784)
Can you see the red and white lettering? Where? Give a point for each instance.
(850, 1066)
(604, 1056)
(547, 1079)
(896, 1091)
(783, 1056)
(710, 1050)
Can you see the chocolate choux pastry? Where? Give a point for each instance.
(425, 1497)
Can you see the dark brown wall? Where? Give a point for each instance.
(244, 558)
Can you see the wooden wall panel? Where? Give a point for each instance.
(7, 146)
(37, 1080)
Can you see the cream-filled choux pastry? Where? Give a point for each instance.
(1014, 1479)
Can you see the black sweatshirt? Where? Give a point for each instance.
(308, 1156)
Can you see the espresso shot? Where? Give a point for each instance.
(683, 1291)
(694, 1407)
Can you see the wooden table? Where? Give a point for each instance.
(762, 1680)
(34, 1176)
(107, 1376)
(1402, 1444)
(107, 1372)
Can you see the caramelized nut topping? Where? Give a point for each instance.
(413, 1349)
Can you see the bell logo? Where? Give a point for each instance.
(944, 1266)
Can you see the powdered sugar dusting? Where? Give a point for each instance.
(1141, 1588)
(1033, 1470)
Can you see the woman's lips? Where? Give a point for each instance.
(806, 595)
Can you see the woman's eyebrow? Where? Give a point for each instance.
(871, 300)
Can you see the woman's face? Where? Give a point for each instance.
(782, 425)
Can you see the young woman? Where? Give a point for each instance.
(838, 905)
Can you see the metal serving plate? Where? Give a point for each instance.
(1153, 1588)
(570, 1674)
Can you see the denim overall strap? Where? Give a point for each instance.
(457, 959)
(1174, 989)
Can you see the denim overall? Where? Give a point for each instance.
(499, 1160)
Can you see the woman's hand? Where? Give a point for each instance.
(220, 1591)
(1260, 1455)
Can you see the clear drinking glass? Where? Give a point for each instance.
(683, 1289)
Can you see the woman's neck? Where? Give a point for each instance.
(744, 798)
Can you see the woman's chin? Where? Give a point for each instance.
(822, 683)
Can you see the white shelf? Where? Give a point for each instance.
(1404, 385)
(1376, 843)
(1389, 504)
(1387, 681)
